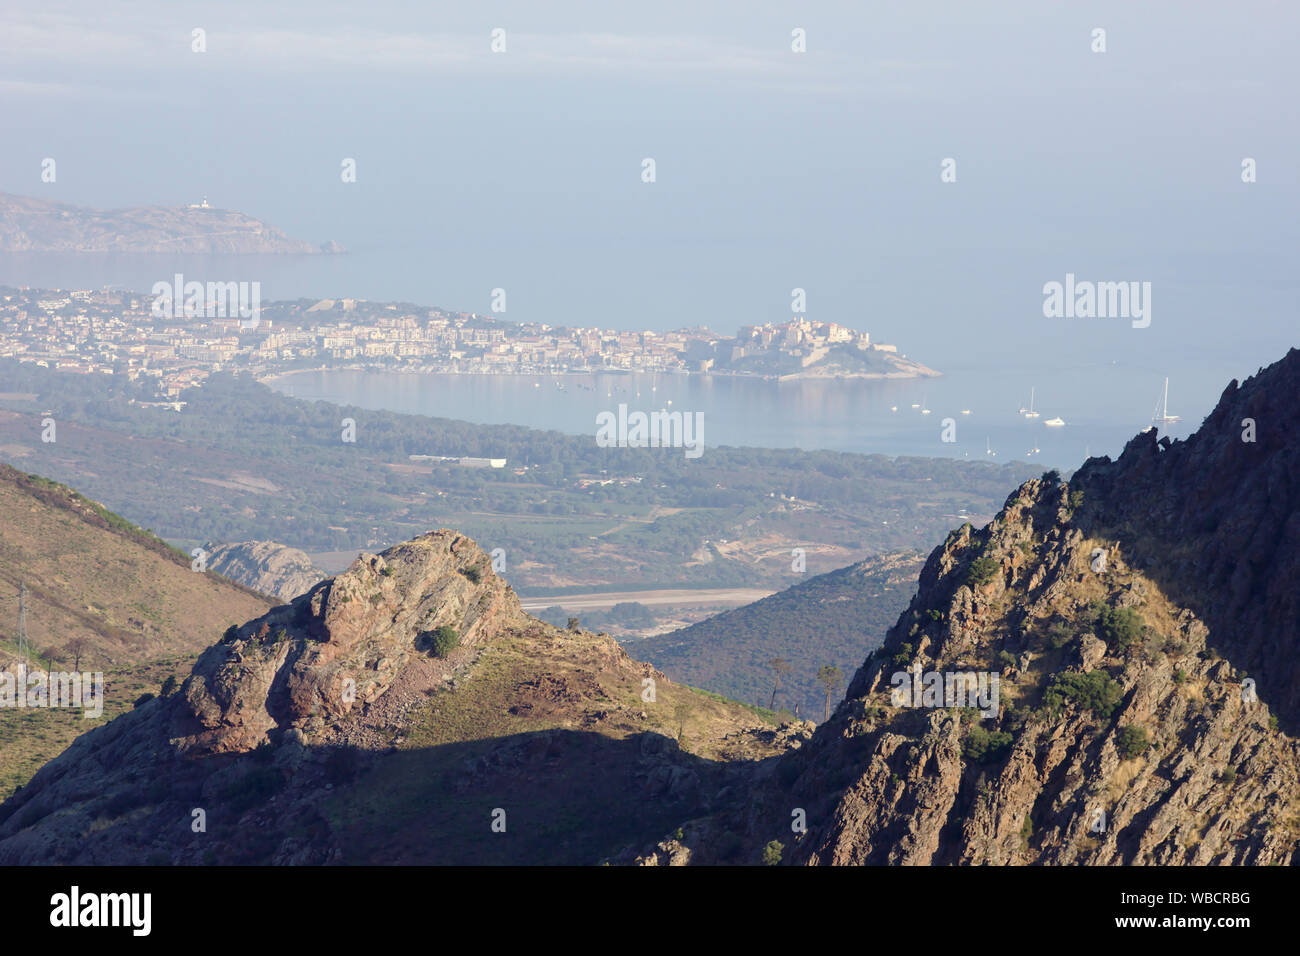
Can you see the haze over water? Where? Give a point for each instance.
(983, 328)
(775, 170)
(1100, 405)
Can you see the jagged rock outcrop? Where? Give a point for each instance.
(340, 645)
(326, 731)
(1141, 623)
(1131, 639)
(273, 569)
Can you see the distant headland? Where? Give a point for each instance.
(28, 224)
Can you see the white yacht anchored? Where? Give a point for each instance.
(1029, 412)
(1162, 416)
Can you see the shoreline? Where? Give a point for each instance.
(269, 377)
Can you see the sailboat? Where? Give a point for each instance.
(1162, 416)
(924, 403)
(1029, 412)
(988, 450)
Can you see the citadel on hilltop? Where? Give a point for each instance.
(802, 348)
(798, 332)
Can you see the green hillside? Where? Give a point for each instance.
(102, 596)
(833, 619)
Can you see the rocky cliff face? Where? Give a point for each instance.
(339, 647)
(268, 567)
(1141, 624)
(325, 731)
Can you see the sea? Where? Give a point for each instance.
(1101, 408)
(982, 327)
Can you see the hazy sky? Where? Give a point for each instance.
(774, 169)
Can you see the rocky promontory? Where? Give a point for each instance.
(28, 224)
(268, 567)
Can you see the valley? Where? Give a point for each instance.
(240, 462)
(409, 709)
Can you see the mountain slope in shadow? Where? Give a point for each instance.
(1141, 624)
(404, 711)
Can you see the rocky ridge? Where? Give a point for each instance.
(325, 731)
(1141, 621)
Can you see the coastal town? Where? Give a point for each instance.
(113, 332)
